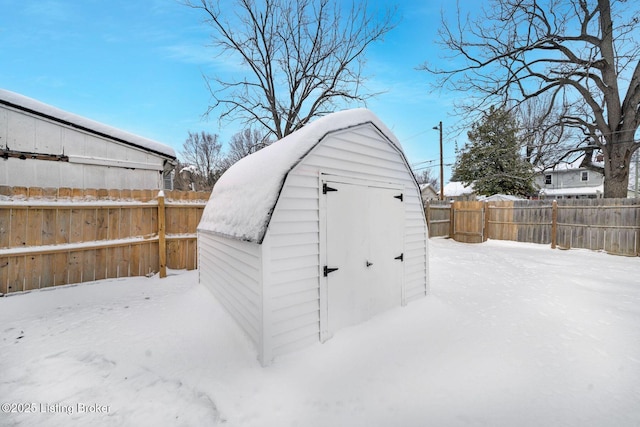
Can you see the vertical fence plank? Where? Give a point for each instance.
(135, 265)
(125, 222)
(89, 226)
(112, 263)
(75, 226)
(100, 270)
(48, 234)
(102, 223)
(4, 275)
(16, 278)
(554, 224)
(46, 271)
(74, 266)
(136, 222)
(148, 223)
(19, 220)
(113, 231)
(60, 269)
(89, 265)
(5, 227)
(33, 268)
(62, 225)
(34, 227)
(162, 245)
(452, 218)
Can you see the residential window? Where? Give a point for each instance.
(585, 176)
(547, 179)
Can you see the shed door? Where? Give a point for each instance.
(364, 242)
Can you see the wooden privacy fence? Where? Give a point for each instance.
(51, 237)
(612, 225)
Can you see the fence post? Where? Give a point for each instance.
(452, 229)
(554, 224)
(485, 226)
(162, 243)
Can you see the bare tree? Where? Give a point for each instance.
(302, 58)
(201, 151)
(581, 53)
(545, 143)
(423, 176)
(243, 143)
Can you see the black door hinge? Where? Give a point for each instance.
(399, 197)
(400, 257)
(326, 188)
(328, 270)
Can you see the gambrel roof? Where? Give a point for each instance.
(243, 199)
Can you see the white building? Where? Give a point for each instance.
(42, 146)
(319, 231)
(429, 192)
(570, 181)
(457, 190)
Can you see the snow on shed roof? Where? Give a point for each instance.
(244, 197)
(41, 109)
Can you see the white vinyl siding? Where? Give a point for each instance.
(294, 231)
(94, 161)
(231, 270)
(293, 273)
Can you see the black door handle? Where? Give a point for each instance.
(369, 264)
(328, 270)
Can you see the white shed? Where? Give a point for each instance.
(43, 146)
(319, 231)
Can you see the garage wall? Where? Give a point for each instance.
(294, 231)
(93, 161)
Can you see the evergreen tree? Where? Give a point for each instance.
(492, 160)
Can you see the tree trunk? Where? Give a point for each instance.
(616, 169)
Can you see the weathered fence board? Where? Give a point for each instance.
(52, 237)
(468, 221)
(438, 214)
(612, 225)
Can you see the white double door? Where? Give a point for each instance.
(364, 252)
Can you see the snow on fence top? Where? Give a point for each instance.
(41, 109)
(244, 197)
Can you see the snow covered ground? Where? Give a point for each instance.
(511, 335)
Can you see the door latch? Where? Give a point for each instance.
(369, 264)
(328, 270)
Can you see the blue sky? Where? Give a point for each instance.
(137, 65)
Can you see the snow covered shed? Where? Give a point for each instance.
(319, 231)
(43, 146)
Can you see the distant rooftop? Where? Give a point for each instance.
(38, 108)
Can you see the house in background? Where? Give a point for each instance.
(43, 146)
(571, 181)
(455, 190)
(428, 193)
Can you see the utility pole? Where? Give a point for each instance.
(439, 127)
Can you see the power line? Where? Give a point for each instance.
(417, 134)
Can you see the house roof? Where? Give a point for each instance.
(38, 108)
(568, 165)
(499, 198)
(455, 189)
(244, 198)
